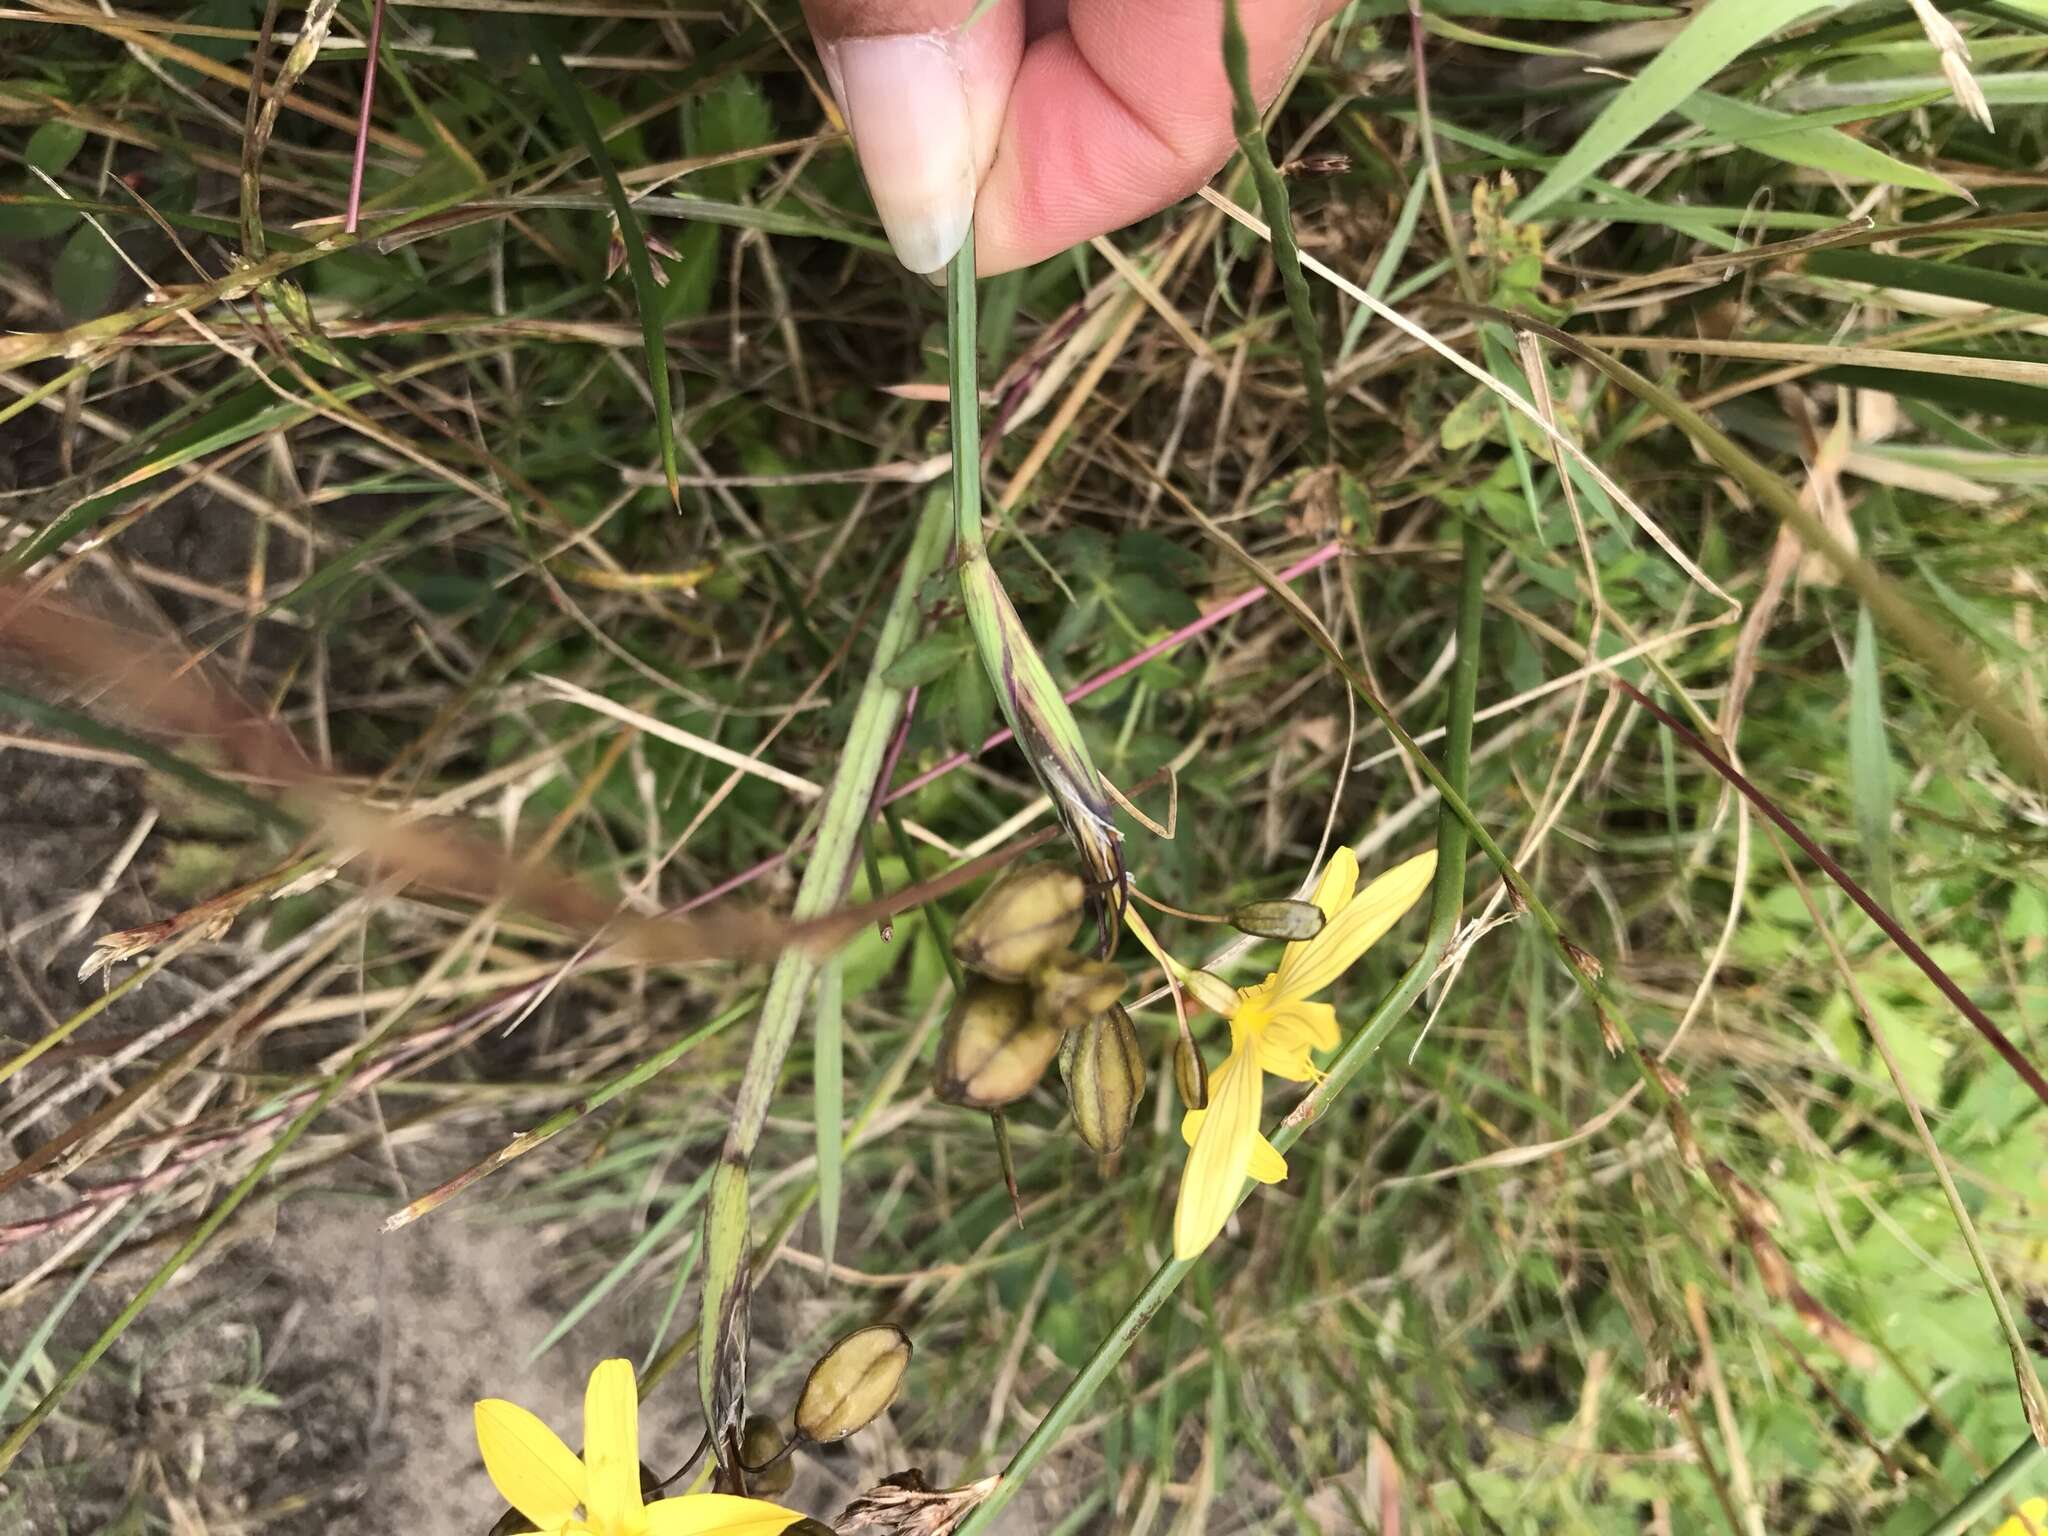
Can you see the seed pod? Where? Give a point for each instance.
(761, 1445)
(992, 1051)
(852, 1383)
(1190, 1075)
(1028, 914)
(1068, 990)
(1295, 921)
(1105, 1077)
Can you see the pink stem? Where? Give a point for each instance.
(355, 175)
(1095, 684)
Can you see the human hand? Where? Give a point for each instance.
(1045, 121)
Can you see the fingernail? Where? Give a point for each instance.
(906, 103)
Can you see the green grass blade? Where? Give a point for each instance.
(646, 292)
(1717, 33)
(828, 1098)
(1251, 139)
(1788, 137)
(845, 811)
(1870, 764)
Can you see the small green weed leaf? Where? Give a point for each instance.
(1786, 136)
(1717, 33)
(930, 659)
(51, 147)
(85, 274)
(731, 116)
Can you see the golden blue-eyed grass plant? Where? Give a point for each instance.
(1274, 1028)
(598, 1493)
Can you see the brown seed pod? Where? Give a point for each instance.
(1068, 990)
(1028, 914)
(1105, 1076)
(993, 1051)
(1190, 1075)
(852, 1383)
(1295, 921)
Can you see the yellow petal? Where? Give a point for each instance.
(718, 1514)
(1267, 1165)
(1332, 894)
(2036, 1513)
(528, 1464)
(1310, 967)
(1216, 1165)
(611, 1444)
(1293, 1029)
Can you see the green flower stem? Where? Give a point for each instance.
(1989, 1495)
(1447, 901)
(845, 813)
(1033, 705)
(1250, 128)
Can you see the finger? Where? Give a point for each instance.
(1122, 113)
(923, 92)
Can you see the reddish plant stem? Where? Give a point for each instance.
(1908, 946)
(355, 174)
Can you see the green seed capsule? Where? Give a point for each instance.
(852, 1383)
(1295, 921)
(1190, 1076)
(761, 1444)
(1028, 914)
(993, 1051)
(1068, 990)
(1105, 1077)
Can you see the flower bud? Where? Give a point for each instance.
(1028, 914)
(852, 1383)
(1068, 990)
(993, 1051)
(1295, 921)
(1190, 1075)
(1211, 991)
(1105, 1077)
(761, 1446)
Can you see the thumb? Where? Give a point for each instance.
(923, 85)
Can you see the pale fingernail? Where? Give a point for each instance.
(906, 103)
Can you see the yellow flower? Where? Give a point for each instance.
(1273, 1027)
(598, 1493)
(2032, 1520)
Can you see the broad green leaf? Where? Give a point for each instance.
(1870, 764)
(1785, 136)
(1720, 31)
